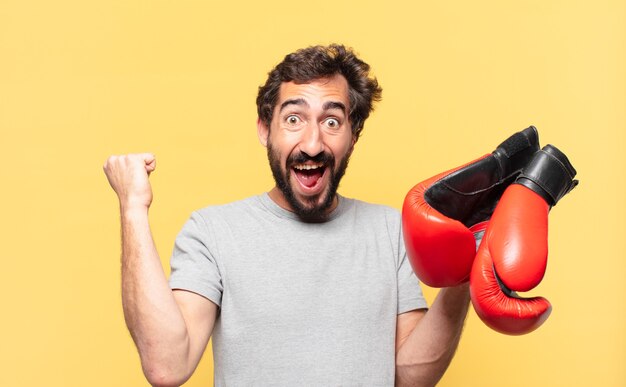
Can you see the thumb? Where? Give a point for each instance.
(150, 162)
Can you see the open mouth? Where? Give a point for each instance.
(309, 175)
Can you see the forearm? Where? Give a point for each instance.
(425, 355)
(151, 312)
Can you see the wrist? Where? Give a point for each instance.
(457, 295)
(133, 210)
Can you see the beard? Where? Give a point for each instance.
(315, 208)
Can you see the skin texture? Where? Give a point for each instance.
(172, 328)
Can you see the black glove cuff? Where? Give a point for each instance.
(549, 174)
(471, 193)
(515, 152)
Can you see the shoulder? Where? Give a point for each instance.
(228, 210)
(373, 212)
(210, 223)
(363, 206)
(215, 218)
(381, 223)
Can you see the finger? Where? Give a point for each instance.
(109, 163)
(150, 162)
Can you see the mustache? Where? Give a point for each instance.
(301, 157)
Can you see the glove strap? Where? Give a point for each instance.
(549, 174)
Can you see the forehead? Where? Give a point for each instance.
(318, 90)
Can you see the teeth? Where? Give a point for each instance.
(308, 166)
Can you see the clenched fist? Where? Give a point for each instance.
(128, 176)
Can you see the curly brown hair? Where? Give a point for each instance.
(317, 62)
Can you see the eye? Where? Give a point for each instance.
(332, 123)
(292, 120)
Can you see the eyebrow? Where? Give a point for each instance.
(293, 101)
(335, 105)
(301, 102)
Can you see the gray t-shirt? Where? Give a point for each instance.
(300, 303)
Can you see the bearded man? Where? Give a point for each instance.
(296, 286)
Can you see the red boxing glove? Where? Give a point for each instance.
(441, 214)
(514, 250)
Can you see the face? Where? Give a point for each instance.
(309, 143)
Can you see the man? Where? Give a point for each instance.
(299, 286)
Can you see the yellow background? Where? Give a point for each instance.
(80, 80)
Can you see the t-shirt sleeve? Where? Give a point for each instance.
(193, 264)
(410, 296)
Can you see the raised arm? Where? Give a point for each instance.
(170, 328)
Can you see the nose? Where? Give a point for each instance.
(312, 142)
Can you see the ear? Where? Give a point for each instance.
(354, 138)
(262, 131)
